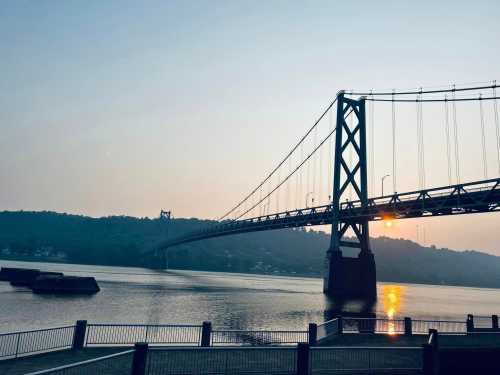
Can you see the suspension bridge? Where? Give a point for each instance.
(346, 198)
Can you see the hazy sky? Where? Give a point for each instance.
(127, 107)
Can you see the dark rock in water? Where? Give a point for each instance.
(52, 284)
(9, 273)
(23, 277)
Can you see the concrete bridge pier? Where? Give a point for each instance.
(347, 277)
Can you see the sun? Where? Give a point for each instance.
(388, 223)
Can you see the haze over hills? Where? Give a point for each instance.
(119, 240)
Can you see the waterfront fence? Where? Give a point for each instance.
(355, 360)
(444, 327)
(252, 337)
(372, 325)
(15, 344)
(129, 334)
(222, 360)
(114, 364)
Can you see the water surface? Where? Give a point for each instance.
(236, 301)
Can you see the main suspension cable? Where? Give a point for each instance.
(295, 170)
(282, 161)
(469, 99)
(415, 92)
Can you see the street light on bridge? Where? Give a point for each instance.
(382, 182)
(307, 196)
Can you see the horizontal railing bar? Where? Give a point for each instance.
(143, 325)
(219, 347)
(366, 347)
(77, 364)
(35, 330)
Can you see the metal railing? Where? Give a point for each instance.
(118, 363)
(13, 345)
(373, 325)
(356, 360)
(446, 327)
(242, 337)
(482, 321)
(129, 334)
(328, 328)
(222, 360)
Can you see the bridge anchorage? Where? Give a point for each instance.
(350, 277)
(351, 209)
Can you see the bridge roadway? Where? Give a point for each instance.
(467, 198)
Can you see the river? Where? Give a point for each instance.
(234, 301)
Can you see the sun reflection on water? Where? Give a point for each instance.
(391, 299)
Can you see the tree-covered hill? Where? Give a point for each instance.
(119, 240)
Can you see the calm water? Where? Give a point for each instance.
(237, 301)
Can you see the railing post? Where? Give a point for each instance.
(140, 358)
(79, 335)
(206, 332)
(302, 358)
(408, 328)
(313, 333)
(340, 325)
(470, 323)
(494, 321)
(430, 354)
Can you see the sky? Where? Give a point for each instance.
(130, 107)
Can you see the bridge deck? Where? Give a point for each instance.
(473, 197)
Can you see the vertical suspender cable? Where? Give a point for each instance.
(296, 189)
(447, 133)
(260, 200)
(372, 146)
(351, 121)
(288, 184)
(315, 157)
(497, 124)
(278, 192)
(330, 157)
(320, 182)
(455, 130)
(419, 150)
(483, 140)
(393, 144)
(422, 143)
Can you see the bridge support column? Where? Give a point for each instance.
(344, 276)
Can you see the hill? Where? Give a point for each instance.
(119, 240)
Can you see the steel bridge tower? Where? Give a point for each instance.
(344, 276)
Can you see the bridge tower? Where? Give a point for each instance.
(350, 277)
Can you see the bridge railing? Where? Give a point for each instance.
(118, 363)
(129, 334)
(245, 337)
(16, 344)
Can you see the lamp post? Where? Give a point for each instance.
(382, 182)
(307, 196)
